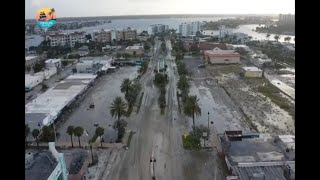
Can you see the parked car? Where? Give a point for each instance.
(202, 66)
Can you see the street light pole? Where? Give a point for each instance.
(208, 120)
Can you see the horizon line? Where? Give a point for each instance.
(133, 15)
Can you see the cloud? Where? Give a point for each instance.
(36, 3)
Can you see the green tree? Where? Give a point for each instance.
(198, 34)
(78, 131)
(183, 83)
(26, 133)
(35, 134)
(277, 37)
(268, 36)
(118, 107)
(192, 108)
(47, 134)
(287, 39)
(100, 133)
(126, 86)
(120, 125)
(70, 131)
(249, 37)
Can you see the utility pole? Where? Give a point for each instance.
(208, 120)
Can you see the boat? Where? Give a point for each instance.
(42, 17)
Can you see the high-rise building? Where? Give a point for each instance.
(157, 28)
(187, 29)
(286, 18)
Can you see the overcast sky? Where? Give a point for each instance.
(78, 8)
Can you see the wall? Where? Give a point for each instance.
(221, 60)
(253, 74)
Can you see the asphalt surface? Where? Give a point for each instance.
(161, 135)
(156, 134)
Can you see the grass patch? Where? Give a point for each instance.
(273, 93)
(191, 142)
(140, 101)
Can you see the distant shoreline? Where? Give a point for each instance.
(155, 16)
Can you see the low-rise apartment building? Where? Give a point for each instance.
(111, 35)
(66, 38)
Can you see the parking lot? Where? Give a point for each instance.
(101, 94)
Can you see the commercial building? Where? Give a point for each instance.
(188, 29)
(252, 72)
(157, 28)
(48, 106)
(135, 50)
(218, 56)
(31, 60)
(94, 64)
(63, 39)
(47, 165)
(203, 46)
(286, 18)
(258, 156)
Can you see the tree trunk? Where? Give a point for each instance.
(101, 140)
(79, 141)
(194, 126)
(37, 142)
(71, 141)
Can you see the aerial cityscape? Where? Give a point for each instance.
(179, 96)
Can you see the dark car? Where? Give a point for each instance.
(91, 105)
(202, 66)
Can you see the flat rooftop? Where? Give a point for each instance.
(134, 47)
(53, 60)
(41, 167)
(46, 107)
(261, 148)
(217, 50)
(30, 57)
(251, 68)
(269, 172)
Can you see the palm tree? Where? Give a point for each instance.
(277, 37)
(125, 85)
(192, 108)
(26, 133)
(118, 107)
(268, 36)
(287, 38)
(70, 131)
(52, 11)
(100, 132)
(35, 134)
(183, 83)
(78, 131)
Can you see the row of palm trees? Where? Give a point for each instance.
(277, 37)
(78, 131)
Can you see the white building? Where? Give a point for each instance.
(188, 29)
(50, 63)
(286, 18)
(93, 64)
(48, 106)
(241, 37)
(134, 50)
(252, 72)
(66, 39)
(157, 28)
(223, 31)
(31, 60)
